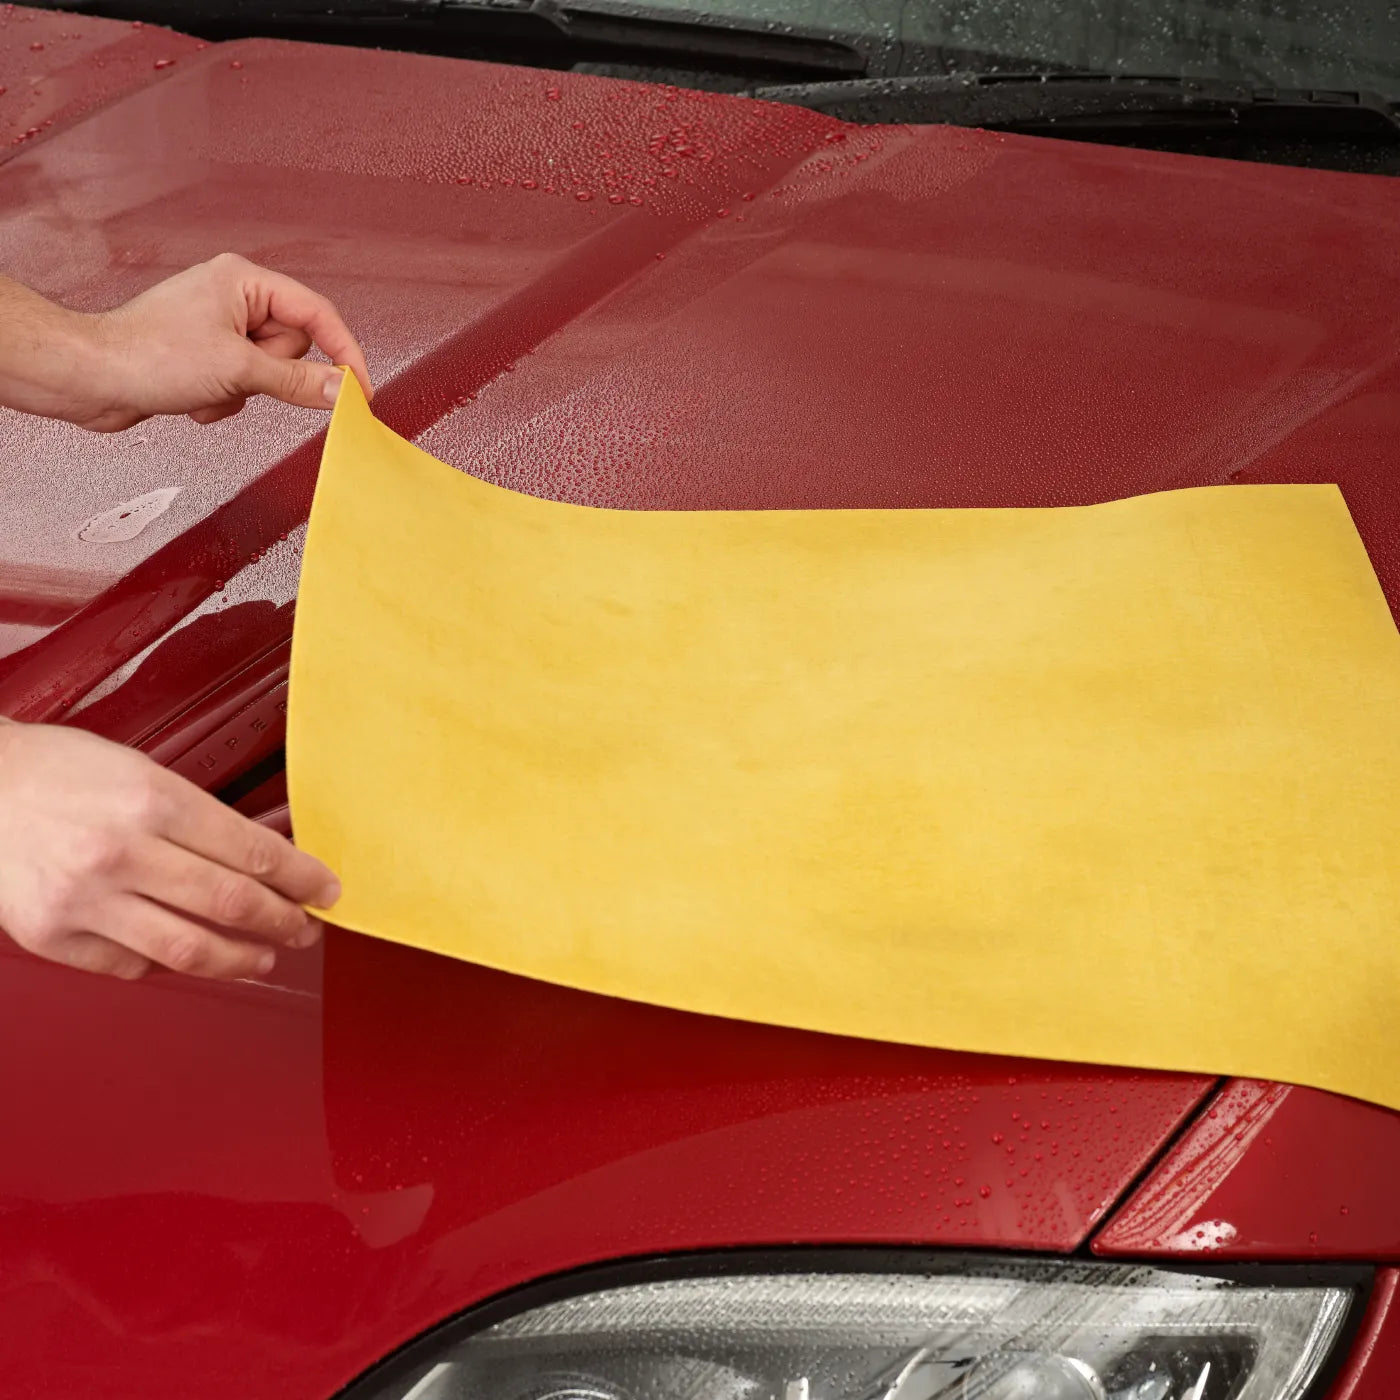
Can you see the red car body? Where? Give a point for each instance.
(634, 297)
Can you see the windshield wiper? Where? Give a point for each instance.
(709, 39)
(565, 31)
(1098, 105)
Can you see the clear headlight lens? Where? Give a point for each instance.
(1018, 1332)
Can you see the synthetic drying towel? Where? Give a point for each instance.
(1116, 783)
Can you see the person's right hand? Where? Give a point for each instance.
(108, 862)
(203, 341)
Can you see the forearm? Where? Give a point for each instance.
(49, 355)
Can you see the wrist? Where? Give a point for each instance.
(54, 361)
(97, 365)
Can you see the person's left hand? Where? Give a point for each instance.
(204, 341)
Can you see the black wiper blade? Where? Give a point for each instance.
(1084, 104)
(691, 38)
(569, 31)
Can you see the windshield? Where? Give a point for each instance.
(1281, 43)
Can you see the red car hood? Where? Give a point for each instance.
(633, 297)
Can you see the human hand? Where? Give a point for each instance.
(111, 863)
(202, 342)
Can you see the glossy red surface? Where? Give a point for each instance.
(270, 1187)
(257, 1190)
(1270, 1172)
(55, 68)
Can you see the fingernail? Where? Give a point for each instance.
(331, 387)
(266, 962)
(309, 935)
(330, 892)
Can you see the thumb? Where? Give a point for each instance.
(306, 383)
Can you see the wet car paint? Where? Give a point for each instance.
(55, 68)
(1270, 1171)
(270, 1187)
(261, 1189)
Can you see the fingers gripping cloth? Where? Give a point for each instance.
(1117, 783)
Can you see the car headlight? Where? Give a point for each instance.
(1029, 1331)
